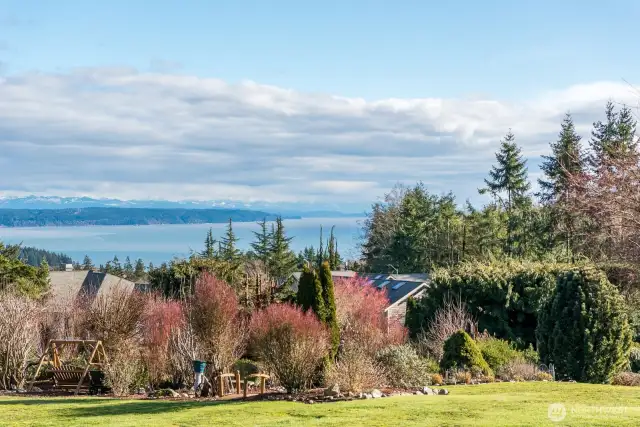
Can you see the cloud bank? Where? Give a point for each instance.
(111, 132)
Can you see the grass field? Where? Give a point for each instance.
(490, 404)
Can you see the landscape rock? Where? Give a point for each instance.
(333, 390)
(418, 393)
(428, 391)
(368, 396)
(376, 394)
(443, 391)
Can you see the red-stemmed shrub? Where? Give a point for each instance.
(290, 344)
(160, 318)
(361, 317)
(214, 313)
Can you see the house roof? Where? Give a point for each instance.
(334, 274)
(398, 290)
(66, 286)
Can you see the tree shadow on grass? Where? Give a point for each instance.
(114, 407)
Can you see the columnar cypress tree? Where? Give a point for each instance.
(310, 296)
(331, 318)
(583, 328)
(509, 177)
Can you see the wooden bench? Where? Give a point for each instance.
(70, 378)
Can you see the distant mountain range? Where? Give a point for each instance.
(126, 216)
(38, 211)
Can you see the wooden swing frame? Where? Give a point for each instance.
(98, 358)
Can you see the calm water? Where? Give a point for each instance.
(158, 243)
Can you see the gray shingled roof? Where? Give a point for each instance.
(66, 286)
(334, 274)
(398, 289)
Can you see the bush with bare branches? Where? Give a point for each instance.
(123, 368)
(113, 317)
(361, 317)
(451, 317)
(214, 313)
(160, 318)
(355, 370)
(290, 344)
(19, 336)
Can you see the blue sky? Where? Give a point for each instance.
(296, 100)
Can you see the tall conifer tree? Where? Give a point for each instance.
(328, 295)
(508, 183)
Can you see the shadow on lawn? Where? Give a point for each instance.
(113, 407)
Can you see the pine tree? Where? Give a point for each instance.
(328, 295)
(138, 271)
(87, 264)
(566, 159)
(261, 246)
(603, 136)
(209, 245)
(626, 129)
(116, 268)
(509, 177)
(228, 250)
(127, 271)
(281, 260)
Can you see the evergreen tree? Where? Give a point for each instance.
(87, 264)
(583, 328)
(281, 260)
(116, 268)
(625, 131)
(603, 137)
(228, 249)
(127, 271)
(328, 295)
(566, 159)
(262, 245)
(334, 256)
(509, 179)
(309, 296)
(209, 245)
(320, 254)
(138, 271)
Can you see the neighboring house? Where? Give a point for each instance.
(398, 293)
(67, 286)
(334, 275)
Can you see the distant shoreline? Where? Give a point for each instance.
(99, 216)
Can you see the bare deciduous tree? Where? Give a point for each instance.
(448, 319)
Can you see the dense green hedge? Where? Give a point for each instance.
(503, 296)
(583, 328)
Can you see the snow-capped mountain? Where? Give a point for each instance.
(299, 209)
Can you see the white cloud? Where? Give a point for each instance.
(120, 133)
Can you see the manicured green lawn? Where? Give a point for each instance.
(490, 404)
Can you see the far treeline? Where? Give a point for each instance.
(124, 216)
(587, 208)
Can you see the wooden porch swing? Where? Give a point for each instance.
(65, 376)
